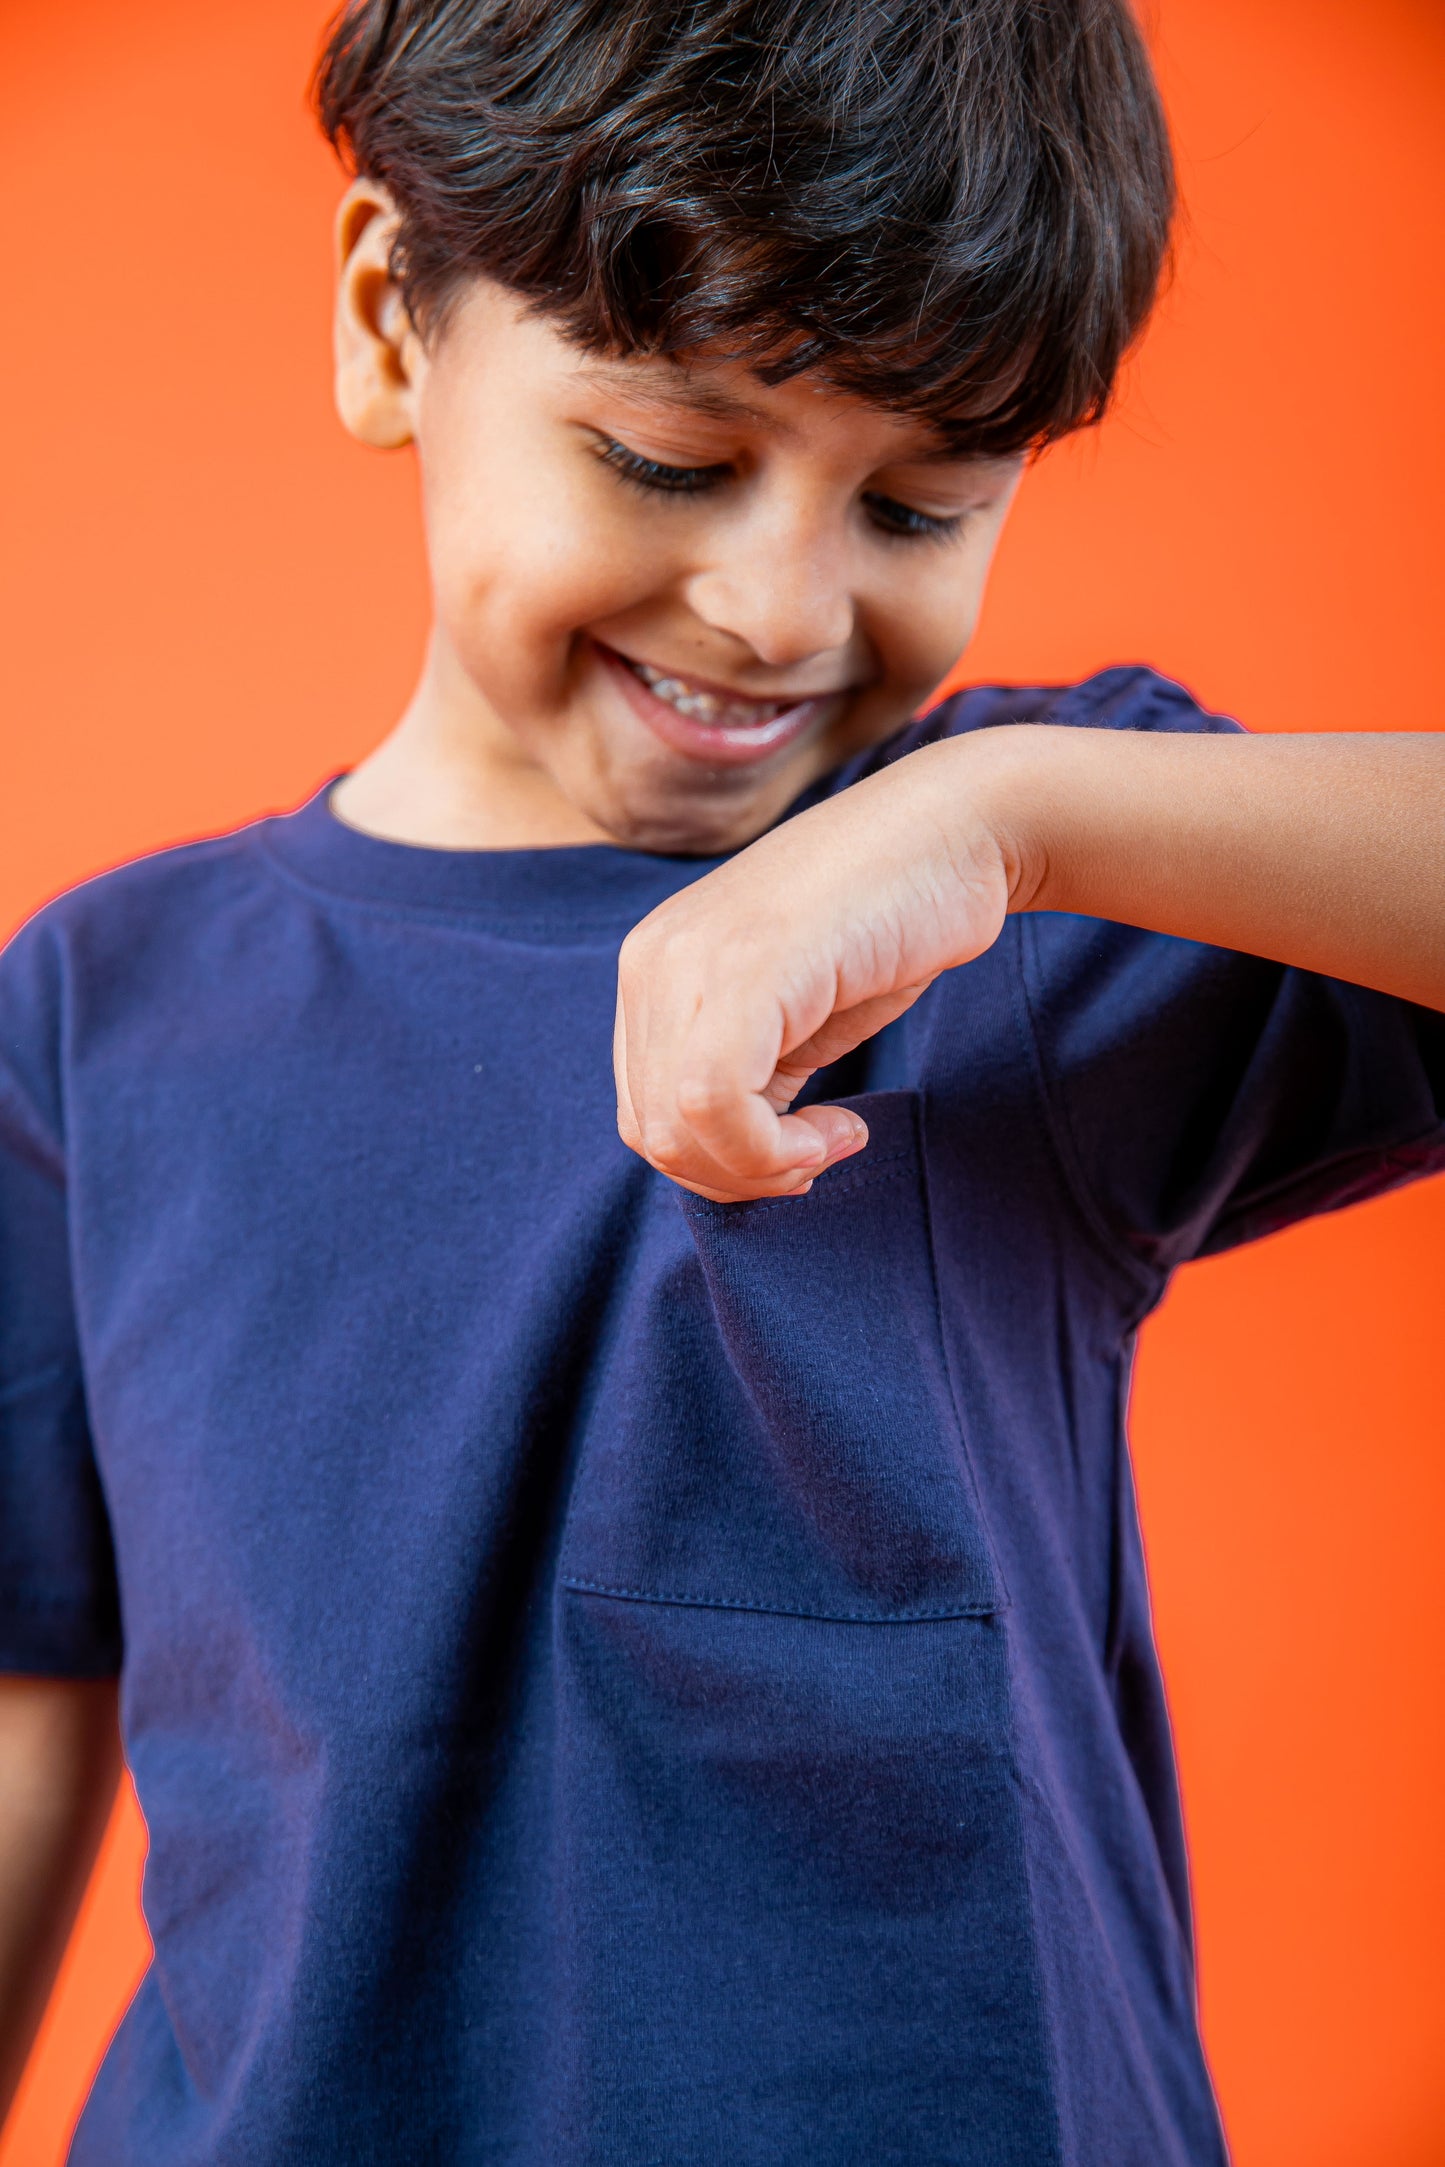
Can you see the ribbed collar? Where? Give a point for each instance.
(590, 887)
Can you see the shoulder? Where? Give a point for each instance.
(169, 902)
(140, 892)
(150, 923)
(1198, 1096)
(1104, 983)
(1131, 697)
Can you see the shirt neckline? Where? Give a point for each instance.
(577, 887)
(585, 886)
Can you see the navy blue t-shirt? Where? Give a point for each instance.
(615, 1680)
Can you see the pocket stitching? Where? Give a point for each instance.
(778, 1610)
(891, 1166)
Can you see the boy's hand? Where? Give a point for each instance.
(734, 991)
(1324, 852)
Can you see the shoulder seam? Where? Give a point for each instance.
(235, 841)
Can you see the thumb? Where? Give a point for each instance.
(842, 1131)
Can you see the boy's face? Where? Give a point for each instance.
(677, 594)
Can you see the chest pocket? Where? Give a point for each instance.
(773, 1426)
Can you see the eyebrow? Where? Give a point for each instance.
(670, 390)
(677, 393)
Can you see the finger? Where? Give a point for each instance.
(724, 1191)
(719, 1091)
(847, 1028)
(744, 1137)
(843, 1132)
(645, 1123)
(627, 1123)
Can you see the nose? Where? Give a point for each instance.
(786, 593)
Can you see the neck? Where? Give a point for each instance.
(452, 776)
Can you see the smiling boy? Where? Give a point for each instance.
(631, 686)
(641, 1655)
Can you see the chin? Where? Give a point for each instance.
(687, 815)
(678, 832)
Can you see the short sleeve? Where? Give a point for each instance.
(59, 1610)
(1204, 1098)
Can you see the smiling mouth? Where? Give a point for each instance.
(715, 710)
(709, 723)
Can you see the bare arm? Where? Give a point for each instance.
(1327, 852)
(59, 1765)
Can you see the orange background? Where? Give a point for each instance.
(212, 599)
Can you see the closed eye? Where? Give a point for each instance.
(653, 476)
(904, 523)
(898, 521)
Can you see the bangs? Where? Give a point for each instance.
(958, 209)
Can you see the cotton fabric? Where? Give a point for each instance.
(615, 1680)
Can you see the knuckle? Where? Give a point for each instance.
(704, 1097)
(663, 1145)
(660, 944)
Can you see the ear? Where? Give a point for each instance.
(379, 356)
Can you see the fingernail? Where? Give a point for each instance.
(855, 1139)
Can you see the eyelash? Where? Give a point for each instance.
(651, 475)
(902, 523)
(896, 522)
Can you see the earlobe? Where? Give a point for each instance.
(377, 348)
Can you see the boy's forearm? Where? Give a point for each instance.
(59, 1765)
(1322, 851)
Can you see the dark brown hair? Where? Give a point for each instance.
(956, 208)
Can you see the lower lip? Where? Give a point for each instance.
(714, 743)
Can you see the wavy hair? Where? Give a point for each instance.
(959, 209)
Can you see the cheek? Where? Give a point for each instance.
(928, 614)
(527, 547)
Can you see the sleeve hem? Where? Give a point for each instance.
(1354, 1178)
(53, 1639)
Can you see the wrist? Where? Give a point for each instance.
(1003, 786)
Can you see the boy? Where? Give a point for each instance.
(630, 1669)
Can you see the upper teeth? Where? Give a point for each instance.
(700, 706)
